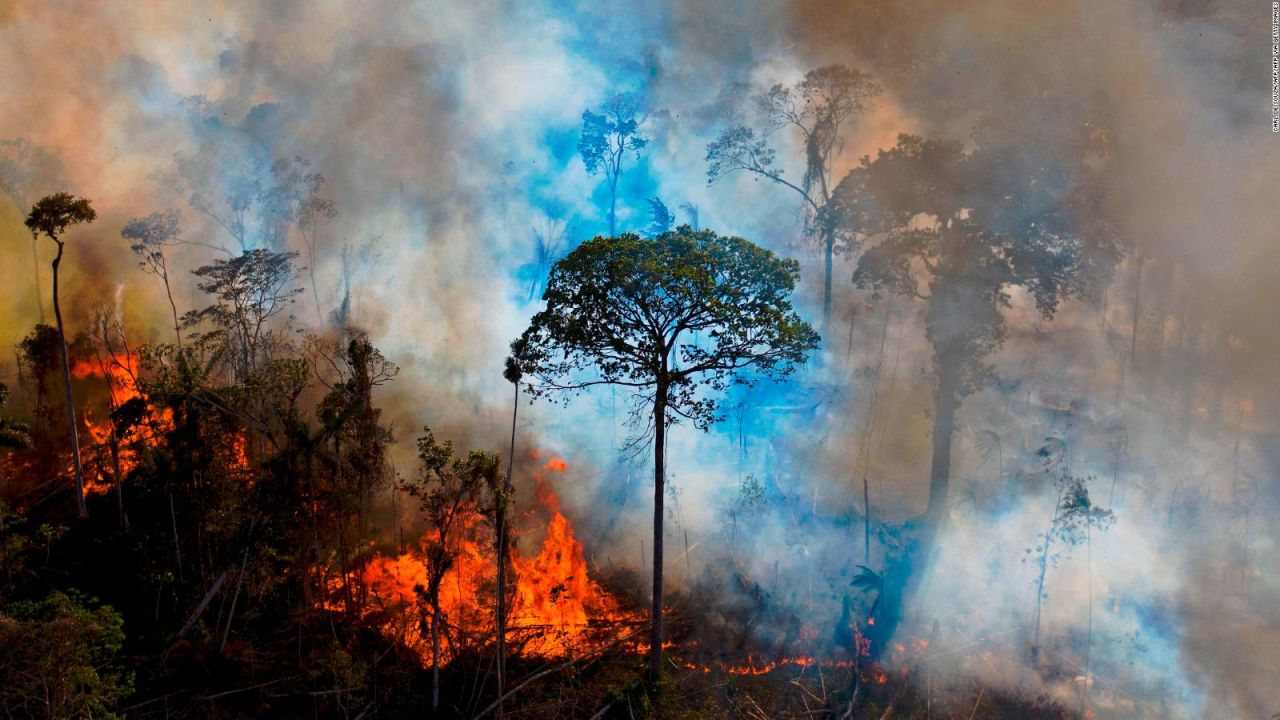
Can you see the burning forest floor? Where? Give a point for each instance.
(607, 683)
(577, 642)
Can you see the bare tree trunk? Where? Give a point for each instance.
(613, 205)
(177, 546)
(503, 543)
(829, 246)
(1088, 637)
(435, 652)
(66, 385)
(944, 422)
(35, 260)
(659, 452)
(315, 290)
(866, 520)
(902, 570)
(119, 478)
(1132, 361)
(173, 307)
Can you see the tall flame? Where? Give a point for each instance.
(120, 375)
(556, 607)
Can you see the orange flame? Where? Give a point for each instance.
(121, 377)
(556, 607)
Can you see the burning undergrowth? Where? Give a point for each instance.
(557, 609)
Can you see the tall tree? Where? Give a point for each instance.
(51, 217)
(606, 139)
(971, 226)
(820, 108)
(676, 319)
(150, 236)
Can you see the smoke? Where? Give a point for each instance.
(448, 133)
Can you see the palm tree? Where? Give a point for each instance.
(51, 216)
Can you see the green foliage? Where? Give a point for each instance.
(680, 313)
(447, 484)
(53, 214)
(58, 659)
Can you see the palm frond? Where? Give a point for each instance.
(988, 443)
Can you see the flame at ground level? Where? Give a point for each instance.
(556, 608)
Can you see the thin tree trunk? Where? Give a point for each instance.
(659, 453)
(315, 290)
(35, 260)
(944, 421)
(173, 307)
(1044, 571)
(435, 653)
(1132, 361)
(66, 385)
(829, 246)
(613, 206)
(235, 598)
(1088, 636)
(866, 521)
(502, 531)
(119, 478)
(177, 546)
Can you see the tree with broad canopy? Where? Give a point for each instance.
(958, 231)
(677, 319)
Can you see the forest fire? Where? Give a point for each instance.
(115, 442)
(900, 373)
(557, 609)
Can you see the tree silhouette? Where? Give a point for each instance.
(674, 318)
(51, 217)
(982, 237)
(606, 139)
(660, 217)
(150, 236)
(250, 291)
(255, 199)
(819, 107)
(963, 229)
